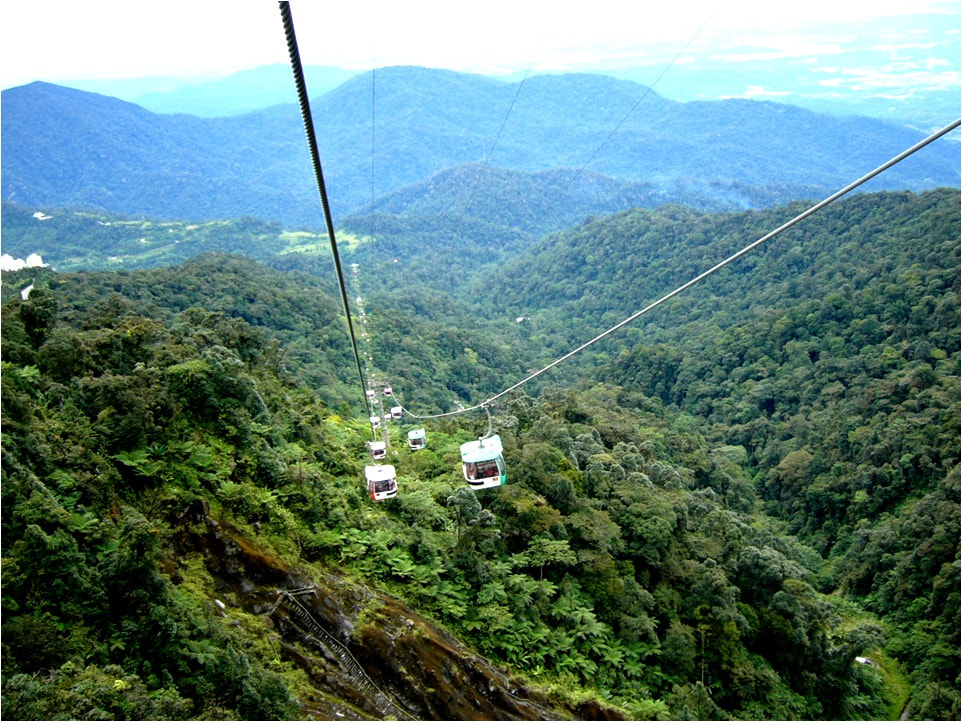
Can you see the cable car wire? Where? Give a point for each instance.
(484, 165)
(442, 415)
(373, 139)
(301, 85)
(644, 95)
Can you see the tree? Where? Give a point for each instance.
(544, 551)
(466, 509)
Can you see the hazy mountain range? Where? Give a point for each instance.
(234, 94)
(65, 147)
(909, 77)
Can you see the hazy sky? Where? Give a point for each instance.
(59, 41)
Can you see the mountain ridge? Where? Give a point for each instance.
(420, 122)
(242, 92)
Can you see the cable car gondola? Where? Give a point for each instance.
(381, 481)
(388, 391)
(375, 422)
(417, 439)
(378, 449)
(397, 412)
(483, 463)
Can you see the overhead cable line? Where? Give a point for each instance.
(299, 82)
(456, 412)
(644, 95)
(801, 216)
(373, 135)
(484, 165)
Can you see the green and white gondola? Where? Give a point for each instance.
(483, 462)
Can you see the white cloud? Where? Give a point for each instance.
(9, 263)
(779, 46)
(119, 38)
(897, 47)
(757, 91)
(906, 77)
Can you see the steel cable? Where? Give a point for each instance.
(305, 104)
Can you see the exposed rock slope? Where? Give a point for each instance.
(368, 654)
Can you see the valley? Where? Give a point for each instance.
(714, 513)
(775, 473)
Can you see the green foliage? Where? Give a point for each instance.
(669, 544)
(847, 404)
(90, 692)
(89, 240)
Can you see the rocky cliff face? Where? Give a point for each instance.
(369, 655)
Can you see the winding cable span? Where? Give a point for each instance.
(487, 159)
(456, 412)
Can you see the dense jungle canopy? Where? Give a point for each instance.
(745, 506)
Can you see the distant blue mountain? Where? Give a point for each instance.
(242, 92)
(382, 132)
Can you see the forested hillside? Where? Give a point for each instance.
(738, 498)
(606, 269)
(73, 240)
(844, 391)
(128, 419)
(831, 356)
